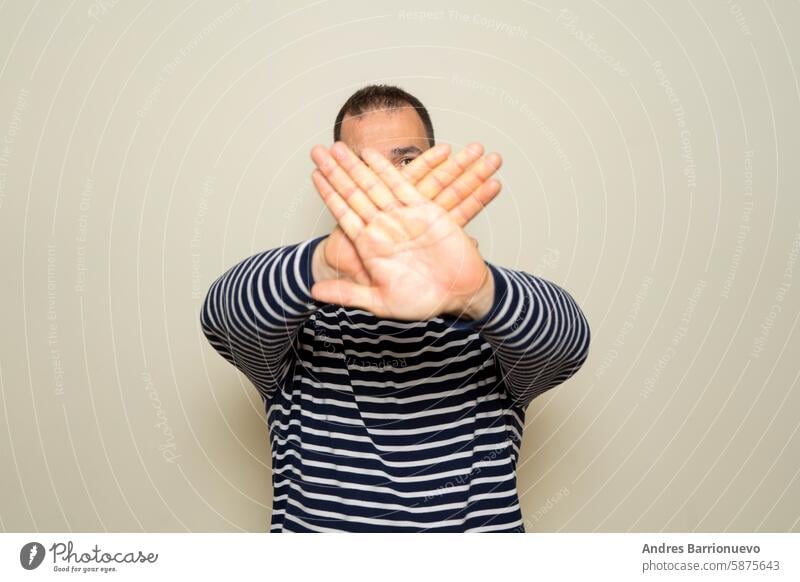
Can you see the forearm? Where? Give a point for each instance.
(257, 306)
(539, 334)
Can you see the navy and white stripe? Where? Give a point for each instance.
(381, 425)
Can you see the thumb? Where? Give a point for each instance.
(346, 293)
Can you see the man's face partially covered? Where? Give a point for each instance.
(398, 134)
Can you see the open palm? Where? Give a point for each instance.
(420, 264)
(418, 259)
(460, 184)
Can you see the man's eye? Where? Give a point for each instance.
(405, 161)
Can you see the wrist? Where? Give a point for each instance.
(480, 303)
(320, 269)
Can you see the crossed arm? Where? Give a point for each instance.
(408, 258)
(252, 313)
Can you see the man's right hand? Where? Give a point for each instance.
(460, 184)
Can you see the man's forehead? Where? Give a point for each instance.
(394, 132)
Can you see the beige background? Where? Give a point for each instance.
(650, 169)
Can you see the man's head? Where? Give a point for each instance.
(387, 119)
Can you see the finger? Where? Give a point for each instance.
(345, 216)
(425, 162)
(443, 175)
(476, 202)
(380, 195)
(341, 182)
(391, 177)
(345, 293)
(469, 181)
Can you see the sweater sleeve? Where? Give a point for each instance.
(252, 313)
(539, 334)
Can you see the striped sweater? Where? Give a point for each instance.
(380, 425)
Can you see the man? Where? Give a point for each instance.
(395, 363)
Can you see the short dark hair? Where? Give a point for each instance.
(374, 97)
